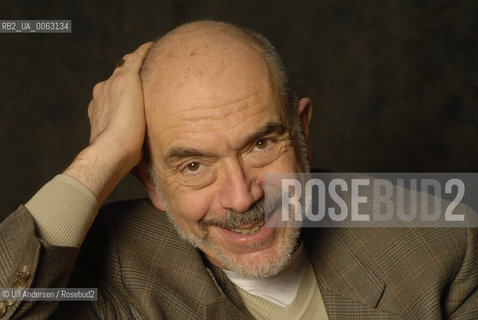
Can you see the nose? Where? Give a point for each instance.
(239, 190)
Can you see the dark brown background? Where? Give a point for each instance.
(394, 82)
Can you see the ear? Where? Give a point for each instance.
(304, 110)
(141, 171)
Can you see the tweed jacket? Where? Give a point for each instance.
(143, 270)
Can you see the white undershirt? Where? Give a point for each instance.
(280, 289)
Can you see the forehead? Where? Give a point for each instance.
(207, 87)
(214, 126)
(200, 70)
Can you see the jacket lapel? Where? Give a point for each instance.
(230, 300)
(347, 286)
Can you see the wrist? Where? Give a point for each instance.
(100, 169)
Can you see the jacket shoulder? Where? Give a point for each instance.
(161, 273)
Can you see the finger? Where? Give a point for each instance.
(97, 88)
(90, 109)
(134, 60)
(144, 49)
(119, 65)
(133, 57)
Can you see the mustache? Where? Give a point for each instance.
(233, 219)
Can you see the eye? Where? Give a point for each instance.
(265, 144)
(262, 152)
(193, 166)
(262, 144)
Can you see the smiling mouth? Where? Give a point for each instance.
(251, 228)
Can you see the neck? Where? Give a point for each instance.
(281, 288)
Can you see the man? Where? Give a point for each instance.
(210, 104)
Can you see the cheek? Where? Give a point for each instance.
(286, 163)
(189, 207)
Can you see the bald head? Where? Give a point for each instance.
(197, 50)
(189, 36)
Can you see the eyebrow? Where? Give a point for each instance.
(179, 153)
(269, 128)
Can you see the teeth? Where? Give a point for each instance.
(251, 230)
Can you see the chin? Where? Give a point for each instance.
(263, 263)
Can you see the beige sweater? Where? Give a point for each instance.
(307, 304)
